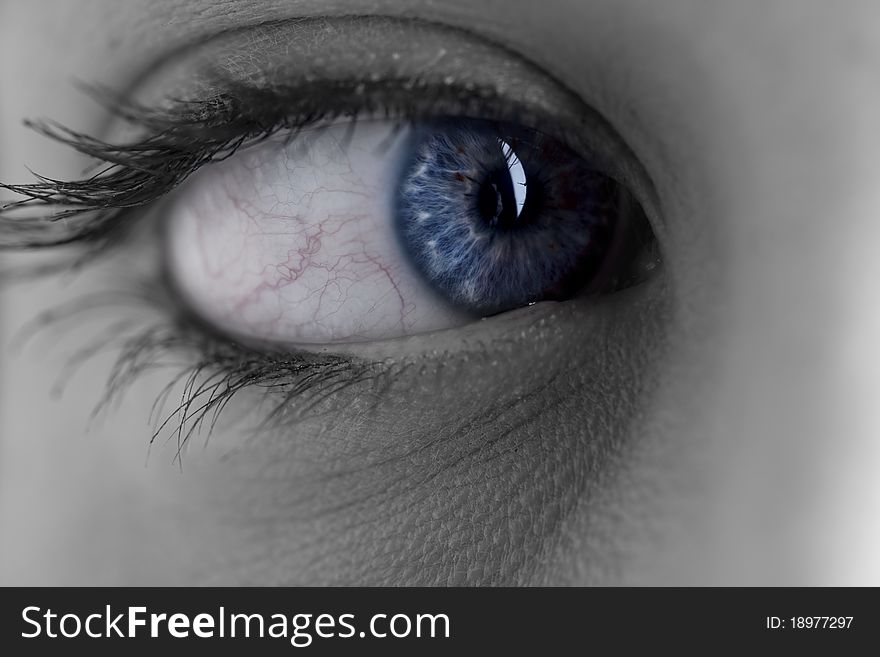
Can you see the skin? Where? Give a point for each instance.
(715, 426)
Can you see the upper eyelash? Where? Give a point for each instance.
(188, 134)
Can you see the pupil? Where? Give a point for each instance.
(495, 201)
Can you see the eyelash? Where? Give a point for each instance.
(190, 134)
(94, 213)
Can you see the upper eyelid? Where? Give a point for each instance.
(155, 66)
(539, 86)
(264, 37)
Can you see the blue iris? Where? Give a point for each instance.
(486, 239)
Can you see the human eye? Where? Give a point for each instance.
(373, 231)
(308, 195)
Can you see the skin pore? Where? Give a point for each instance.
(714, 425)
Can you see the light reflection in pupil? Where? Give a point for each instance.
(517, 175)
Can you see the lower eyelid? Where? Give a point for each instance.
(582, 377)
(545, 322)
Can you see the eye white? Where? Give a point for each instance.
(294, 242)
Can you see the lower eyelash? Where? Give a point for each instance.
(208, 382)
